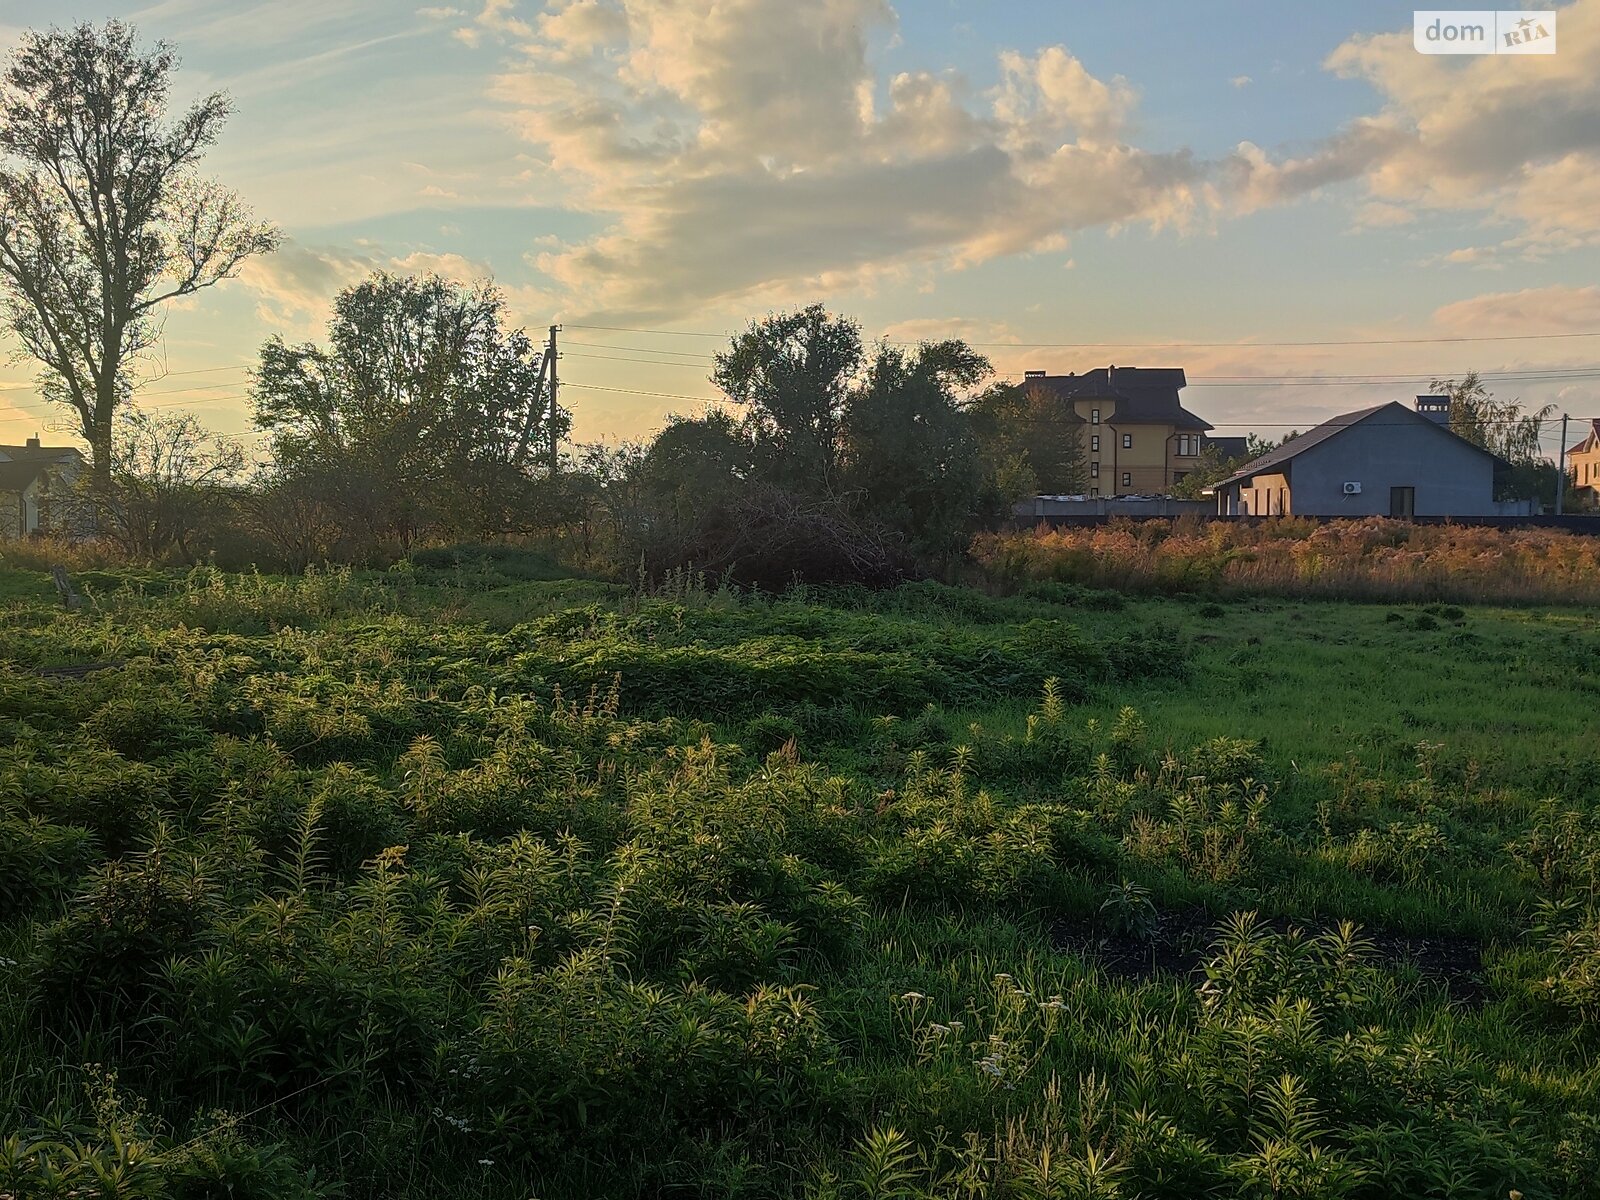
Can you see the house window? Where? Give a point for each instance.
(1094, 443)
(1177, 476)
(1094, 416)
(1188, 445)
(1127, 441)
(1127, 479)
(1094, 470)
(1403, 502)
(1094, 491)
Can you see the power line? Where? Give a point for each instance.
(595, 387)
(50, 407)
(1524, 375)
(643, 362)
(641, 349)
(1375, 377)
(1502, 337)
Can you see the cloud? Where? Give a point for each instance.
(296, 286)
(749, 149)
(1240, 81)
(937, 329)
(1555, 309)
(752, 151)
(496, 17)
(1515, 138)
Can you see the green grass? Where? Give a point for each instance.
(471, 878)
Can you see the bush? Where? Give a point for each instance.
(1371, 559)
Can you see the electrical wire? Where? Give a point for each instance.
(1502, 337)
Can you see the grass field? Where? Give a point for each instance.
(468, 879)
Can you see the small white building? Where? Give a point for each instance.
(36, 485)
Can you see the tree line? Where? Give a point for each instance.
(418, 417)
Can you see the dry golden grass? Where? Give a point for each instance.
(1373, 559)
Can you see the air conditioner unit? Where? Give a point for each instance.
(1352, 489)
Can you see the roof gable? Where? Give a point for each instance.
(1591, 440)
(19, 476)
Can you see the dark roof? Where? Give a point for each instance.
(1332, 427)
(39, 453)
(16, 476)
(1228, 447)
(1140, 395)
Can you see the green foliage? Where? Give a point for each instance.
(421, 415)
(819, 895)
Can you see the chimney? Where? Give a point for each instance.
(1435, 408)
(33, 442)
(1034, 374)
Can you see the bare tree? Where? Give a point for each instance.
(103, 218)
(169, 480)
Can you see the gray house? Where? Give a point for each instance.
(1389, 461)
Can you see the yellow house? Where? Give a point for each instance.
(1137, 437)
(1583, 465)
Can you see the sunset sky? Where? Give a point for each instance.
(1194, 181)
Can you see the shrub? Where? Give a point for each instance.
(1371, 559)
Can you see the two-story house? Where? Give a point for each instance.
(36, 488)
(1137, 437)
(1583, 466)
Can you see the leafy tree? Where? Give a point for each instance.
(697, 462)
(1502, 428)
(601, 499)
(1499, 426)
(794, 372)
(170, 482)
(1033, 440)
(912, 459)
(422, 410)
(103, 217)
(1214, 466)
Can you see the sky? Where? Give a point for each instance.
(1068, 185)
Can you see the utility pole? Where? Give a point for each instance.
(555, 406)
(1561, 466)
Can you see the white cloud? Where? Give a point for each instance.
(1556, 309)
(1240, 81)
(740, 151)
(496, 17)
(1516, 138)
(295, 287)
(751, 151)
